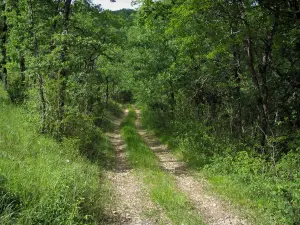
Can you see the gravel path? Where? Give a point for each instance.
(214, 210)
(132, 203)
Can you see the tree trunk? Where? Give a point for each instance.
(43, 103)
(3, 47)
(63, 75)
(262, 98)
(172, 98)
(52, 44)
(260, 78)
(238, 110)
(237, 118)
(22, 69)
(107, 92)
(40, 77)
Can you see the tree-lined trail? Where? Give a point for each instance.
(218, 81)
(132, 203)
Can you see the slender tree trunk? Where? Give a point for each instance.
(259, 77)
(63, 75)
(40, 77)
(43, 103)
(238, 116)
(107, 92)
(52, 44)
(22, 69)
(172, 98)
(3, 47)
(22, 61)
(236, 71)
(262, 99)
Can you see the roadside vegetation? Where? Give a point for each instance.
(270, 194)
(43, 181)
(58, 99)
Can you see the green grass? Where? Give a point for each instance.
(42, 181)
(239, 193)
(161, 185)
(268, 200)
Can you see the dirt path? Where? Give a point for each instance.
(132, 203)
(214, 210)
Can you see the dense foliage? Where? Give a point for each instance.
(232, 65)
(219, 80)
(56, 56)
(222, 79)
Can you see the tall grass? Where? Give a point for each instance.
(42, 181)
(160, 184)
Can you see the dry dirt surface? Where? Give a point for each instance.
(213, 210)
(132, 204)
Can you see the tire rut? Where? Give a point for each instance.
(131, 202)
(213, 210)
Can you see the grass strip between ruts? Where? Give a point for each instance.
(161, 185)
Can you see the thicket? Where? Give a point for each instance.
(219, 80)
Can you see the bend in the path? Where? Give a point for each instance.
(131, 200)
(213, 210)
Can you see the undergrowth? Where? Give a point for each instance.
(43, 181)
(270, 193)
(161, 185)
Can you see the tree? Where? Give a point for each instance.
(4, 33)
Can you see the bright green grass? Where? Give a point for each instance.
(161, 185)
(42, 181)
(263, 198)
(240, 195)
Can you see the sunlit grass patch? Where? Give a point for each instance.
(43, 181)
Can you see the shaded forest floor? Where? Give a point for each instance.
(140, 197)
